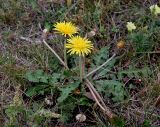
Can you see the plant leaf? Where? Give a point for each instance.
(67, 90)
(32, 91)
(54, 78)
(113, 89)
(37, 76)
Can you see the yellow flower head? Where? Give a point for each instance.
(66, 28)
(155, 9)
(78, 45)
(130, 26)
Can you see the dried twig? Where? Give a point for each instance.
(27, 39)
(97, 94)
(55, 54)
(95, 98)
(98, 98)
(153, 52)
(157, 103)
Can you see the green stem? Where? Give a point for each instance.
(65, 54)
(81, 67)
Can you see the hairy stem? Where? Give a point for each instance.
(81, 67)
(65, 53)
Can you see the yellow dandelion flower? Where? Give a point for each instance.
(130, 26)
(66, 28)
(78, 45)
(155, 9)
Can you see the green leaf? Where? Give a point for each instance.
(67, 90)
(33, 3)
(54, 78)
(37, 76)
(31, 77)
(44, 78)
(67, 73)
(119, 122)
(113, 89)
(84, 101)
(47, 26)
(32, 91)
(115, 29)
(67, 107)
(101, 57)
(133, 72)
(141, 41)
(146, 123)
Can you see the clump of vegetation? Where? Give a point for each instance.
(79, 63)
